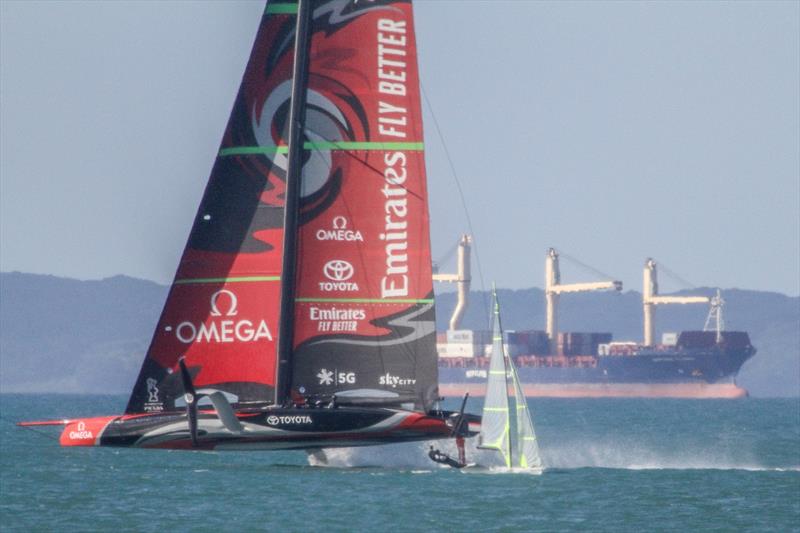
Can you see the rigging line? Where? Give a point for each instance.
(584, 265)
(350, 152)
(675, 277)
(407, 349)
(447, 254)
(460, 194)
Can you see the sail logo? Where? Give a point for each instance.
(393, 121)
(394, 283)
(81, 432)
(234, 302)
(395, 381)
(336, 320)
(338, 271)
(222, 331)
(153, 404)
(339, 232)
(274, 420)
(152, 390)
(329, 377)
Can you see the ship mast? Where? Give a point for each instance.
(553, 288)
(650, 299)
(294, 170)
(715, 316)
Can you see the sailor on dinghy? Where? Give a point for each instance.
(440, 457)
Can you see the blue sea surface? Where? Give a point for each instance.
(611, 465)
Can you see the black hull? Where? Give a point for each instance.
(267, 429)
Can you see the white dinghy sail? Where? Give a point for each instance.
(512, 436)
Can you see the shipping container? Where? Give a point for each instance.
(458, 350)
(669, 339)
(460, 336)
(707, 339)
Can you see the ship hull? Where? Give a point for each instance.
(649, 373)
(609, 390)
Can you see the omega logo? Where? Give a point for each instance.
(215, 299)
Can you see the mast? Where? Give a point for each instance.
(508, 402)
(294, 171)
(715, 316)
(498, 332)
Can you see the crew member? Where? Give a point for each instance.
(439, 457)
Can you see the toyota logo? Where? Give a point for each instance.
(338, 270)
(272, 420)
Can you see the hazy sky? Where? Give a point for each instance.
(612, 131)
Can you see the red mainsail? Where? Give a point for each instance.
(364, 318)
(222, 309)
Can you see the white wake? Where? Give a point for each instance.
(624, 454)
(608, 453)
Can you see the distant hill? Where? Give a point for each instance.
(65, 335)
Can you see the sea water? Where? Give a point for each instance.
(611, 465)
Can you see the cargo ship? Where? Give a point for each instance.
(688, 364)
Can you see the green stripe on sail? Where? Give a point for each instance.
(282, 9)
(243, 279)
(341, 145)
(502, 409)
(251, 150)
(323, 145)
(366, 300)
(498, 372)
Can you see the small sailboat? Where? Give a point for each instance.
(507, 426)
(301, 315)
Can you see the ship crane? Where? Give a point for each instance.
(650, 299)
(461, 278)
(554, 288)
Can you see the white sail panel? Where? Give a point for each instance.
(528, 446)
(512, 436)
(495, 424)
